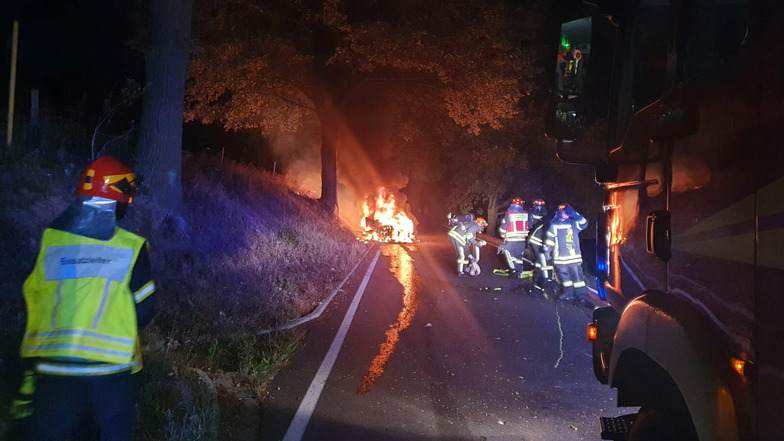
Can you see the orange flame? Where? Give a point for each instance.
(384, 221)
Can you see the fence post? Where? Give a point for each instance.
(12, 86)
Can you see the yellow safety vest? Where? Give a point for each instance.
(79, 304)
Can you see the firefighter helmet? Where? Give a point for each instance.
(517, 201)
(561, 208)
(108, 178)
(482, 222)
(538, 211)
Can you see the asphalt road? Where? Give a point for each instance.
(425, 355)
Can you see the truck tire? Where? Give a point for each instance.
(660, 425)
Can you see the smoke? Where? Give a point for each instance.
(298, 157)
(688, 173)
(360, 171)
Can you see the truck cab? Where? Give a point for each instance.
(679, 107)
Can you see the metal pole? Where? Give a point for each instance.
(12, 85)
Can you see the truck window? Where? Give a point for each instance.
(650, 70)
(711, 31)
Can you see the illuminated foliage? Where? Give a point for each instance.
(268, 64)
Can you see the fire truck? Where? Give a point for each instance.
(679, 107)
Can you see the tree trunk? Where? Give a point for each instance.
(160, 130)
(492, 214)
(329, 117)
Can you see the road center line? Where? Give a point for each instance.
(300, 421)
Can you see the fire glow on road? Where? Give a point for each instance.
(402, 266)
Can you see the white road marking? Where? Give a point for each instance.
(300, 421)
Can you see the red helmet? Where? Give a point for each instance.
(517, 201)
(539, 203)
(481, 221)
(108, 178)
(561, 208)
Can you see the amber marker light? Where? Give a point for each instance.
(592, 332)
(738, 365)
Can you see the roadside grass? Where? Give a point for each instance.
(247, 253)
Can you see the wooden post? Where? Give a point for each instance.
(12, 85)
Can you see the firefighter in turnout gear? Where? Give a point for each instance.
(90, 292)
(536, 237)
(564, 244)
(514, 231)
(537, 214)
(463, 237)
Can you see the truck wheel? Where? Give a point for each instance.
(659, 425)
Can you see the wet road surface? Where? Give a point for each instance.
(426, 355)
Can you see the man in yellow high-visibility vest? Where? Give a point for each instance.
(89, 293)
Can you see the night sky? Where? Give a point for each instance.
(70, 51)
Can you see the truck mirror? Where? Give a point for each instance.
(657, 231)
(580, 89)
(564, 119)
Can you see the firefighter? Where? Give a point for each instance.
(89, 293)
(536, 238)
(463, 238)
(538, 214)
(564, 244)
(514, 231)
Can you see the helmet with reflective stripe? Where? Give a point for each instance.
(561, 208)
(108, 178)
(538, 211)
(481, 221)
(517, 201)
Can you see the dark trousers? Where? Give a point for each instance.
(572, 280)
(64, 405)
(513, 253)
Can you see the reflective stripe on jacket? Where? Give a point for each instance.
(465, 232)
(79, 304)
(537, 235)
(562, 237)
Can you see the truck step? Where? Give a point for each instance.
(617, 428)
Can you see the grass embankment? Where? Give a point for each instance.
(247, 253)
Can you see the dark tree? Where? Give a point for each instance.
(160, 131)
